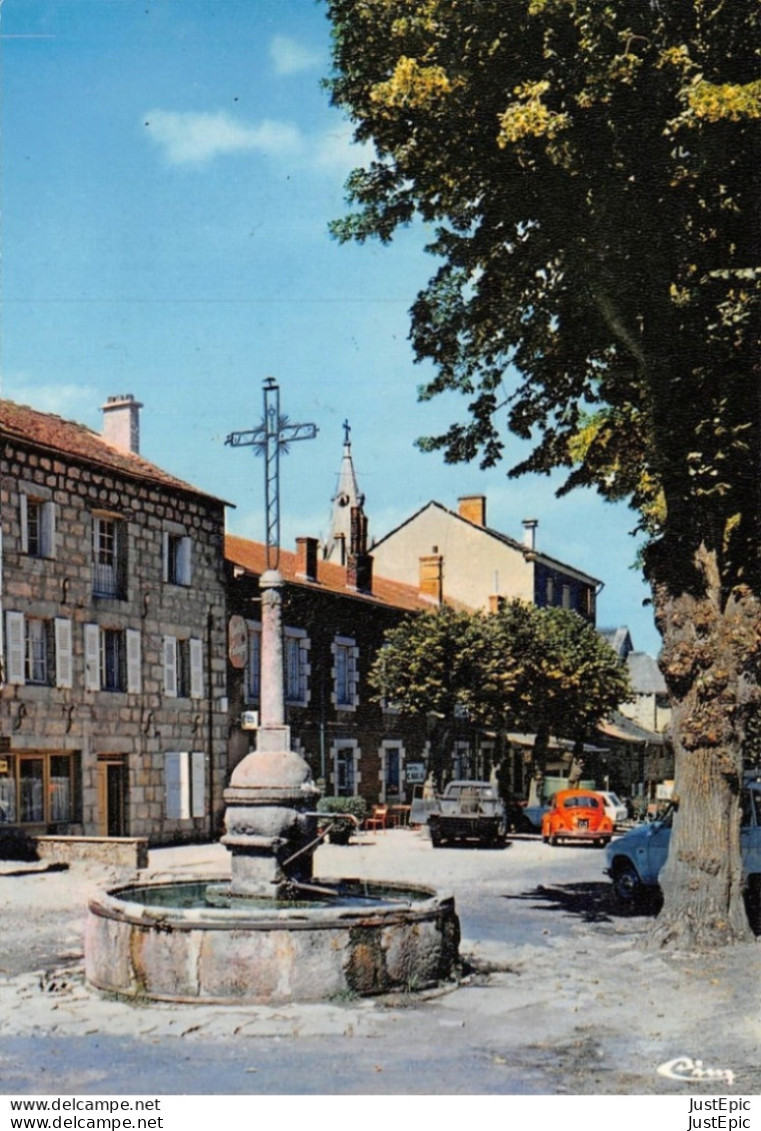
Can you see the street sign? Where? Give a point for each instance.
(237, 641)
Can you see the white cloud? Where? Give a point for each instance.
(73, 402)
(290, 57)
(193, 138)
(335, 151)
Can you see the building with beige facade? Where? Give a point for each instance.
(456, 556)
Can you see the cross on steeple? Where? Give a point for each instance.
(347, 432)
(269, 438)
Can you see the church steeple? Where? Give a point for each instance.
(346, 499)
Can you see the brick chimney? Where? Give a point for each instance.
(306, 558)
(359, 564)
(473, 508)
(432, 577)
(121, 422)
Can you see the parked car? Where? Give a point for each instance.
(614, 806)
(577, 814)
(468, 811)
(634, 861)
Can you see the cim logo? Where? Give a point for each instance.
(684, 1068)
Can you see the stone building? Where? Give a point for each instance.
(638, 734)
(334, 619)
(455, 556)
(113, 713)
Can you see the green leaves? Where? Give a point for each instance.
(592, 172)
(522, 668)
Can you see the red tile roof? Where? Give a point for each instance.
(331, 578)
(64, 437)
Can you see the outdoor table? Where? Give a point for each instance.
(400, 815)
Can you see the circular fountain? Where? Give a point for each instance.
(270, 932)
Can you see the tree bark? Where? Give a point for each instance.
(709, 660)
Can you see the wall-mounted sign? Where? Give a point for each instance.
(237, 641)
(414, 772)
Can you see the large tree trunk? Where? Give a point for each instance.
(710, 641)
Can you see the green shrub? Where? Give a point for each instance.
(340, 831)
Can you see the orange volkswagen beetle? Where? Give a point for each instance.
(577, 814)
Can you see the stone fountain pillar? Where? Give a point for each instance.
(271, 792)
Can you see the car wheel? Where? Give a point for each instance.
(627, 885)
(546, 839)
(554, 840)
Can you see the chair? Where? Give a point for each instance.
(378, 818)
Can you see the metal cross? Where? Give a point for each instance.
(271, 437)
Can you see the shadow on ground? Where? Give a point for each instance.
(589, 902)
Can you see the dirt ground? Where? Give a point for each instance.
(556, 995)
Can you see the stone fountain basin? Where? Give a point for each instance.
(166, 942)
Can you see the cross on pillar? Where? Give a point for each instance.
(269, 439)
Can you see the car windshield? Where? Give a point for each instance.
(581, 802)
(613, 798)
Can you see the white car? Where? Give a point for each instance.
(614, 806)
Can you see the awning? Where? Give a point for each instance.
(621, 729)
(565, 745)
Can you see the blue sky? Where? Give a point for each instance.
(169, 170)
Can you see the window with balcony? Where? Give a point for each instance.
(109, 557)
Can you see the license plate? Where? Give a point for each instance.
(582, 824)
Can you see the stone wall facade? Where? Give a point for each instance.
(113, 711)
(354, 745)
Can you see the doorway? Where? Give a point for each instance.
(112, 796)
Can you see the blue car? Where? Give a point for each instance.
(634, 861)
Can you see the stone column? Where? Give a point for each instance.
(272, 690)
(271, 791)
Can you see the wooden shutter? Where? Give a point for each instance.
(177, 785)
(196, 668)
(198, 783)
(24, 518)
(134, 673)
(63, 653)
(92, 657)
(47, 530)
(170, 666)
(14, 631)
(184, 561)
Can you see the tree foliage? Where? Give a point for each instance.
(537, 670)
(591, 172)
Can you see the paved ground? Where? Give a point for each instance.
(557, 997)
